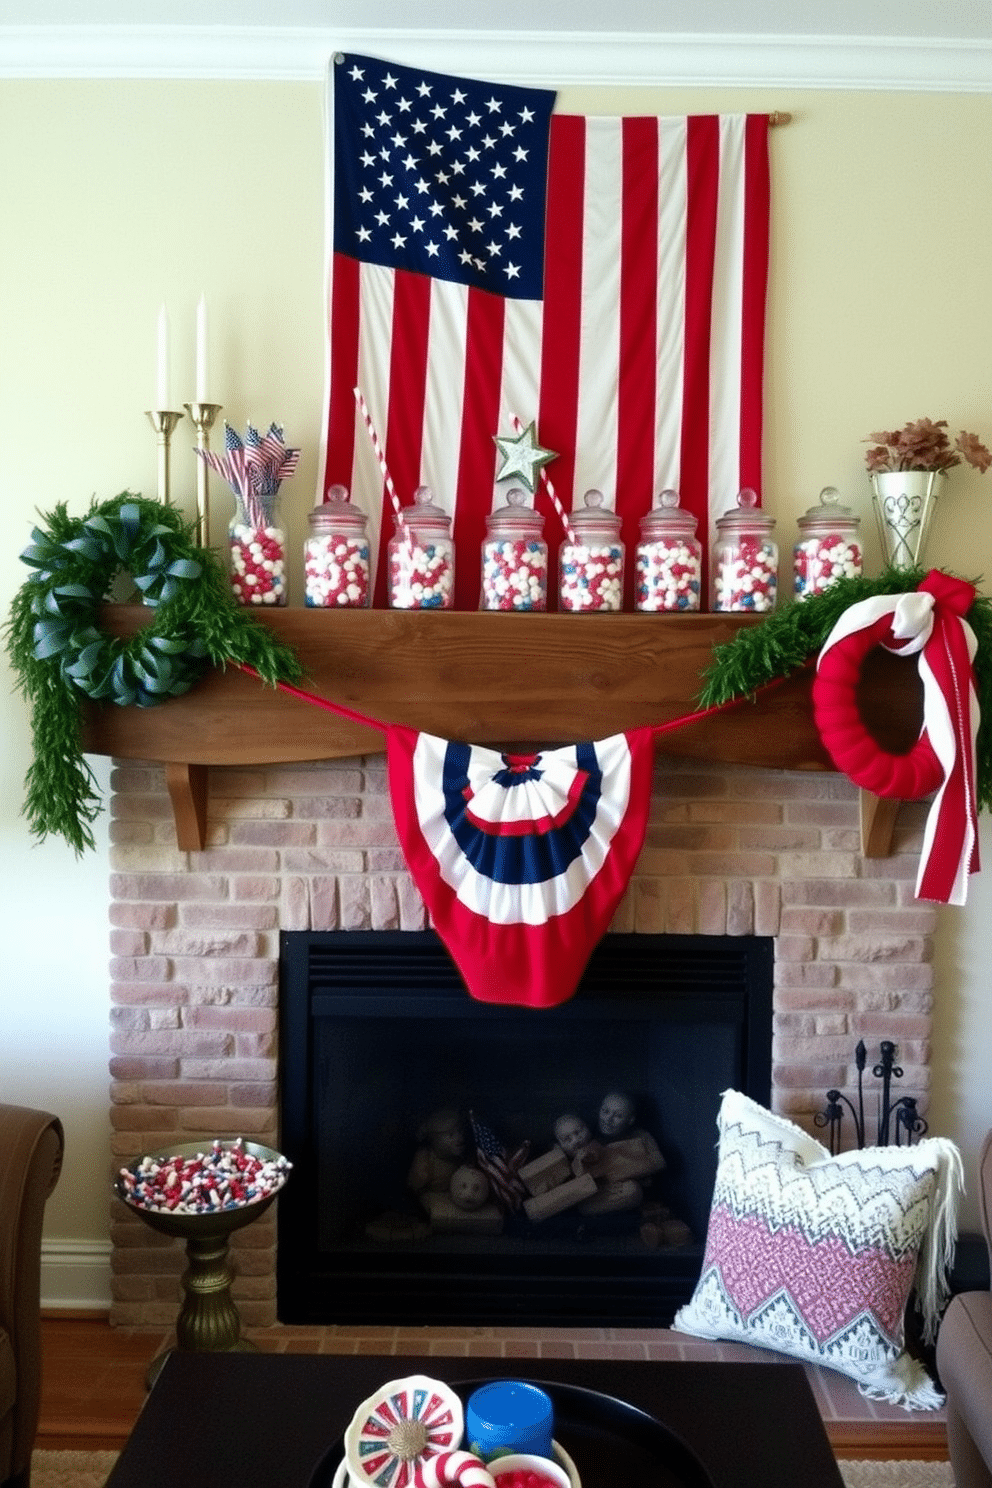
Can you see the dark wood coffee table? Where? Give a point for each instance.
(267, 1420)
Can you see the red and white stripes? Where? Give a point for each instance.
(641, 365)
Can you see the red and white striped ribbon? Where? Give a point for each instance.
(552, 494)
(380, 455)
(930, 622)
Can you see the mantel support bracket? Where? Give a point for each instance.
(878, 820)
(187, 786)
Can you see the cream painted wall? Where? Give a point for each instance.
(121, 195)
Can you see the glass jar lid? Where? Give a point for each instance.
(668, 518)
(747, 516)
(831, 512)
(594, 516)
(424, 515)
(515, 514)
(336, 511)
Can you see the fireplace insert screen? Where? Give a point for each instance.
(461, 1162)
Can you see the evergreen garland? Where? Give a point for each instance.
(60, 656)
(791, 638)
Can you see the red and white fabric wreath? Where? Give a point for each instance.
(522, 859)
(930, 624)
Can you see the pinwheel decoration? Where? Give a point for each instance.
(396, 1430)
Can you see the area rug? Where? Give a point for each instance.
(895, 1474)
(71, 1469)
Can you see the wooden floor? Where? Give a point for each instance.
(93, 1382)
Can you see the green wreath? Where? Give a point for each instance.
(61, 655)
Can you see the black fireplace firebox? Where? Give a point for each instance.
(378, 1036)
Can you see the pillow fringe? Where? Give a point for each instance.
(940, 1238)
(916, 1392)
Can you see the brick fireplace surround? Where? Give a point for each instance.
(194, 937)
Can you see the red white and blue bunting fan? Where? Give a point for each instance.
(521, 859)
(928, 623)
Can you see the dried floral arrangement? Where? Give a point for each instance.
(924, 445)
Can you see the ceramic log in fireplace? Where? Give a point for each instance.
(378, 1034)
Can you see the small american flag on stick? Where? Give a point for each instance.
(254, 468)
(501, 1169)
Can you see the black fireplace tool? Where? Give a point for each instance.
(898, 1116)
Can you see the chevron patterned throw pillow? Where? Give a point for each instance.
(816, 1256)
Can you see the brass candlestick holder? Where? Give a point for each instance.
(163, 421)
(203, 416)
(208, 1321)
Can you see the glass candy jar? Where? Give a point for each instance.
(745, 559)
(828, 548)
(669, 562)
(590, 569)
(258, 553)
(514, 557)
(421, 557)
(336, 555)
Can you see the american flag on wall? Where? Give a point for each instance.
(603, 278)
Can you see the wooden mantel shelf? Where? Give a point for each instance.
(487, 678)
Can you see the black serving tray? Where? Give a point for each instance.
(613, 1444)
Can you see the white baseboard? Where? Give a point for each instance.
(75, 1274)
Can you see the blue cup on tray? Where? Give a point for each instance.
(510, 1415)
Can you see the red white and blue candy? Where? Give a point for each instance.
(336, 572)
(421, 575)
(819, 562)
(668, 576)
(514, 574)
(746, 576)
(225, 1177)
(258, 564)
(591, 576)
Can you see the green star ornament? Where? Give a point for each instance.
(522, 457)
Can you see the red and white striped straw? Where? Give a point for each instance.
(381, 457)
(549, 488)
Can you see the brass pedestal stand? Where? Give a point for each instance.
(208, 1321)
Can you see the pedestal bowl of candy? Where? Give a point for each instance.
(201, 1193)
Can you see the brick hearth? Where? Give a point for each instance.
(194, 936)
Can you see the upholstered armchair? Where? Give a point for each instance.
(31, 1146)
(964, 1363)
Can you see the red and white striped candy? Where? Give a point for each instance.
(446, 1468)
